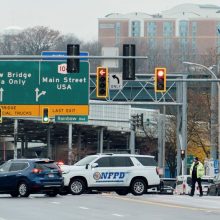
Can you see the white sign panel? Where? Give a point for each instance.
(115, 81)
(110, 51)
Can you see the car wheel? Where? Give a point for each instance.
(14, 194)
(138, 187)
(23, 189)
(52, 193)
(122, 192)
(77, 186)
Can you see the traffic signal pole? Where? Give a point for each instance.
(181, 129)
(132, 141)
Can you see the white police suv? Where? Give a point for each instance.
(122, 173)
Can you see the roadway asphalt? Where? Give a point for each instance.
(109, 207)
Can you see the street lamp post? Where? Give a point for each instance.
(218, 86)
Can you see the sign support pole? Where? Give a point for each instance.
(70, 132)
(15, 138)
(132, 141)
(101, 139)
(49, 152)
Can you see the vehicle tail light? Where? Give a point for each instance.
(35, 170)
(157, 170)
(59, 163)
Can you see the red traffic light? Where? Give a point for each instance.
(160, 79)
(160, 73)
(102, 82)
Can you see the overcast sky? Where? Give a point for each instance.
(77, 16)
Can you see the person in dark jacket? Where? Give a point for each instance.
(196, 172)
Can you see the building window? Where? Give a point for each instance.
(183, 32)
(151, 34)
(167, 34)
(194, 28)
(135, 28)
(194, 34)
(218, 37)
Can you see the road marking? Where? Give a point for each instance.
(82, 207)
(57, 203)
(163, 204)
(118, 215)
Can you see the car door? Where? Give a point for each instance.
(15, 172)
(111, 172)
(4, 176)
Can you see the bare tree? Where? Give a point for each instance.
(32, 41)
(94, 48)
(8, 45)
(61, 43)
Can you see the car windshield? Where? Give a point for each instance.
(85, 161)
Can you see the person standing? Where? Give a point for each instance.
(196, 172)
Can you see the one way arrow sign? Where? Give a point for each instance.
(115, 82)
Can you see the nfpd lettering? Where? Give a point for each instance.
(112, 175)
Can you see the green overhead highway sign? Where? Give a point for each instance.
(33, 84)
(71, 118)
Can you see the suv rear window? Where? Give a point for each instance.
(115, 162)
(45, 165)
(15, 166)
(147, 161)
(121, 162)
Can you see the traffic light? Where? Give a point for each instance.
(73, 63)
(182, 154)
(0, 115)
(128, 64)
(160, 79)
(45, 115)
(134, 119)
(140, 120)
(147, 122)
(102, 82)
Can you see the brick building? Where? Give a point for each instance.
(187, 28)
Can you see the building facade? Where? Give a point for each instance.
(188, 29)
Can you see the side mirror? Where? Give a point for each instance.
(94, 165)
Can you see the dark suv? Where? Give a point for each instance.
(25, 176)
